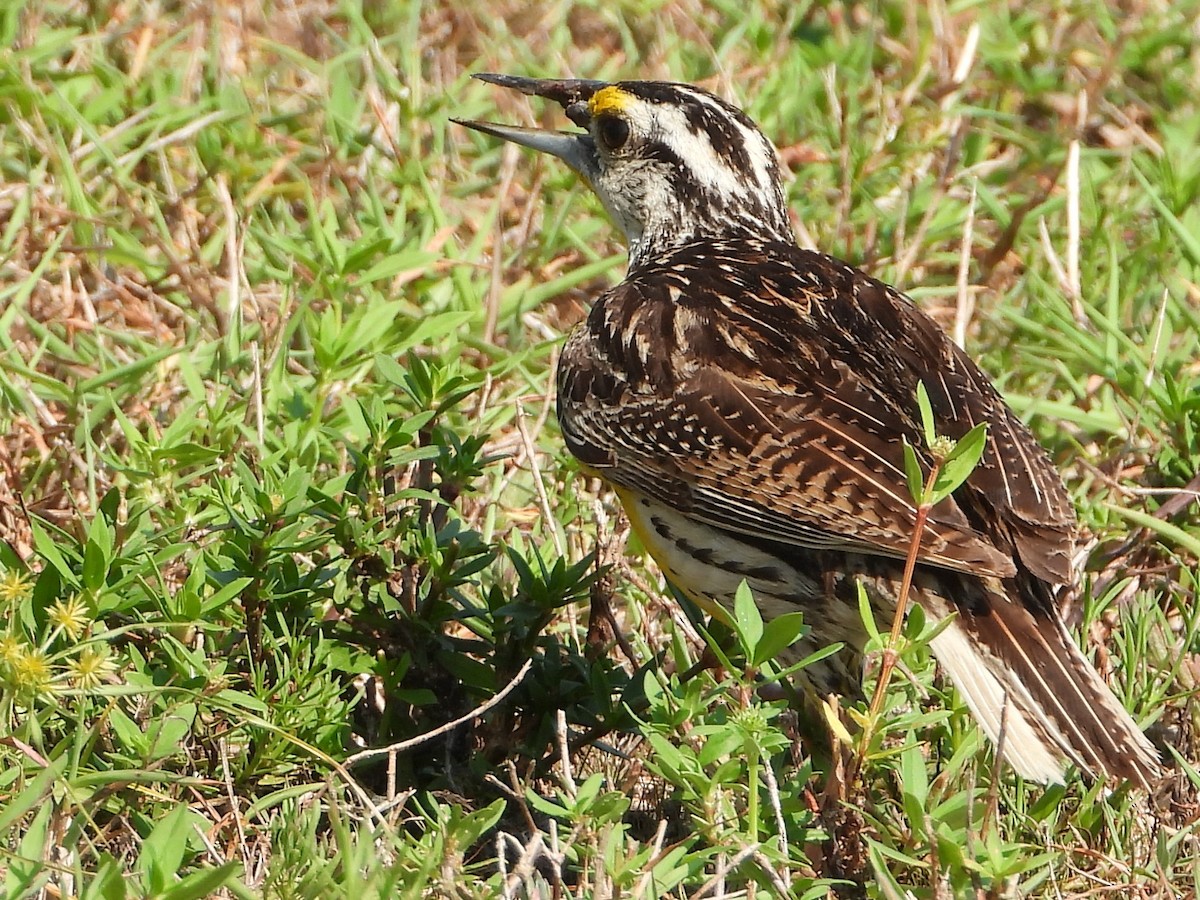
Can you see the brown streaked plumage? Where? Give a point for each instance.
(748, 401)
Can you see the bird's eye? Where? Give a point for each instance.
(612, 131)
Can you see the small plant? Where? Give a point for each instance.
(280, 482)
(952, 464)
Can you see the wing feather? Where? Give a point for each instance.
(777, 409)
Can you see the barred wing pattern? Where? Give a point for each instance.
(768, 389)
(764, 391)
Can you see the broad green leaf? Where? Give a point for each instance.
(127, 731)
(163, 849)
(960, 463)
(590, 789)
(748, 618)
(170, 732)
(97, 554)
(26, 868)
(914, 783)
(108, 883)
(778, 634)
(474, 825)
(724, 743)
(555, 809)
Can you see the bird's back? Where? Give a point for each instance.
(799, 372)
(749, 401)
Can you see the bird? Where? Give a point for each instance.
(748, 401)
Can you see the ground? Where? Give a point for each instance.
(302, 596)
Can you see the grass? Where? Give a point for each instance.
(295, 570)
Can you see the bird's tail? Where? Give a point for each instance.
(1038, 698)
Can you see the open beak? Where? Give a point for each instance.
(577, 150)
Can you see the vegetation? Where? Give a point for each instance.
(295, 572)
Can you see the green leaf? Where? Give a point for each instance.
(204, 883)
(666, 756)
(126, 373)
(1189, 241)
(390, 369)
(547, 807)
(127, 731)
(97, 554)
(25, 867)
(589, 790)
(779, 634)
(748, 619)
(814, 657)
(475, 825)
(1047, 804)
(950, 849)
(164, 848)
(886, 852)
(912, 471)
(277, 798)
(33, 794)
(110, 506)
(108, 883)
(48, 550)
(1168, 532)
(393, 264)
(926, 410)
(914, 781)
(721, 745)
(866, 612)
(960, 463)
(437, 325)
(169, 732)
(223, 596)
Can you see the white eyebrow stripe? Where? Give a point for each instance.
(697, 153)
(760, 151)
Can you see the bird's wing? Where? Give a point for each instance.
(771, 400)
(1015, 494)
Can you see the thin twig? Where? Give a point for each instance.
(964, 309)
(723, 869)
(564, 752)
(1060, 273)
(1073, 284)
(656, 848)
(234, 806)
(178, 136)
(777, 881)
(910, 565)
(538, 482)
(420, 739)
(1156, 344)
(780, 823)
(991, 812)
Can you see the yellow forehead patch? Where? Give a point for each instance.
(609, 99)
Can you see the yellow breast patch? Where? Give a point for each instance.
(673, 563)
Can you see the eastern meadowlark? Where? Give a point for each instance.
(747, 400)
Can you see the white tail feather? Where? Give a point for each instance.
(1023, 746)
(1054, 711)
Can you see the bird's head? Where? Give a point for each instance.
(670, 162)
